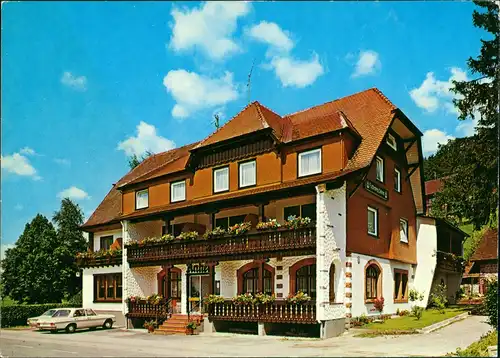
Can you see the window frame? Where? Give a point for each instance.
(172, 184)
(116, 276)
(392, 145)
(405, 221)
(378, 284)
(141, 191)
(399, 176)
(242, 163)
(106, 237)
(214, 191)
(299, 167)
(377, 159)
(375, 211)
(399, 296)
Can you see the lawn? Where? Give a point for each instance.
(479, 348)
(429, 317)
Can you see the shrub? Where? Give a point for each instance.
(479, 348)
(404, 313)
(417, 311)
(17, 315)
(414, 295)
(379, 304)
(75, 301)
(491, 302)
(438, 298)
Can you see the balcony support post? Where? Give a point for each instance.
(166, 287)
(211, 273)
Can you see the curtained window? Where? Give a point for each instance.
(248, 175)
(400, 285)
(372, 221)
(108, 287)
(403, 230)
(141, 199)
(251, 281)
(310, 162)
(372, 279)
(178, 191)
(221, 179)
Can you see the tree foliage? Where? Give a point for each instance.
(41, 268)
(469, 165)
(135, 160)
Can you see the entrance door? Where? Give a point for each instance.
(199, 286)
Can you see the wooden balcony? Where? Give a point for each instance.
(277, 312)
(449, 262)
(102, 261)
(253, 245)
(145, 309)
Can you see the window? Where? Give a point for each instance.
(251, 280)
(305, 211)
(221, 179)
(305, 280)
(380, 169)
(372, 279)
(400, 285)
(332, 283)
(106, 242)
(175, 284)
(141, 199)
(310, 162)
(248, 175)
(90, 312)
(403, 230)
(397, 180)
(108, 287)
(62, 313)
(391, 141)
(79, 313)
(178, 191)
(229, 221)
(372, 221)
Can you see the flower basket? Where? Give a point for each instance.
(298, 299)
(189, 235)
(239, 229)
(294, 222)
(215, 233)
(272, 224)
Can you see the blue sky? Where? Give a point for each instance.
(86, 84)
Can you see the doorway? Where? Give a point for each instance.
(199, 287)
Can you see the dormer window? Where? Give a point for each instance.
(142, 199)
(391, 141)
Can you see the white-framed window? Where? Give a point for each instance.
(141, 199)
(248, 175)
(221, 179)
(380, 169)
(372, 221)
(178, 191)
(310, 162)
(403, 230)
(391, 141)
(397, 180)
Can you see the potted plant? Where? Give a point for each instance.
(244, 299)
(239, 229)
(271, 224)
(298, 299)
(294, 222)
(190, 327)
(215, 233)
(264, 298)
(150, 325)
(189, 235)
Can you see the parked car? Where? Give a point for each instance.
(71, 319)
(32, 322)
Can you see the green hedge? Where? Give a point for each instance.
(17, 315)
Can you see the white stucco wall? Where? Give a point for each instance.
(330, 248)
(426, 257)
(359, 307)
(88, 288)
(97, 237)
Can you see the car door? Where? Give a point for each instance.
(80, 318)
(93, 319)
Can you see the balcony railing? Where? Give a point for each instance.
(146, 309)
(277, 312)
(89, 261)
(299, 241)
(450, 262)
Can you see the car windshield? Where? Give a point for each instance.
(49, 313)
(61, 313)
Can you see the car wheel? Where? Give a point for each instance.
(71, 328)
(108, 324)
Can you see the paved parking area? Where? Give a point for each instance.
(122, 343)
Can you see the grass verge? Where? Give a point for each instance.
(479, 348)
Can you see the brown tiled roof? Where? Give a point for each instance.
(488, 246)
(368, 113)
(433, 186)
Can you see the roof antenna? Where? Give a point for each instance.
(249, 80)
(216, 121)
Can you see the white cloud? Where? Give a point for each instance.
(5, 247)
(73, 193)
(368, 63)
(296, 73)
(431, 139)
(18, 207)
(75, 82)
(194, 92)
(18, 164)
(433, 94)
(209, 27)
(271, 34)
(62, 161)
(146, 140)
